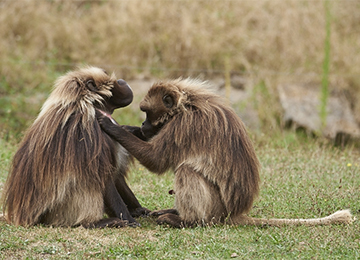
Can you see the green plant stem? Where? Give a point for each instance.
(326, 67)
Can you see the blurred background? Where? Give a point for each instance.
(293, 63)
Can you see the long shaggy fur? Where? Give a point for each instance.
(204, 136)
(207, 146)
(58, 173)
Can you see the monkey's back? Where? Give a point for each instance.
(57, 175)
(212, 139)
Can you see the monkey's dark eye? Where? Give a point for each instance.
(168, 101)
(91, 85)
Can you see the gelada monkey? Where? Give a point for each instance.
(194, 133)
(67, 171)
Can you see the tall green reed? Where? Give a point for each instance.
(326, 65)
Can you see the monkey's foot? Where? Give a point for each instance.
(156, 213)
(171, 219)
(138, 212)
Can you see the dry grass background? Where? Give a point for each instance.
(267, 41)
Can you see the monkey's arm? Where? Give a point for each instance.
(156, 160)
(115, 206)
(133, 205)
(135, 130)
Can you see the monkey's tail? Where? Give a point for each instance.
(339, 217)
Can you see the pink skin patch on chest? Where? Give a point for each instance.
(108, 116)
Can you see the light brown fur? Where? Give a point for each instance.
(205, 143)
(64, 163)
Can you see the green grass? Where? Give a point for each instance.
(300, 178)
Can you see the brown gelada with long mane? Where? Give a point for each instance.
(192, 132)
(67, 171)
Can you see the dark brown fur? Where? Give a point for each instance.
(67, 171)
(195, 134)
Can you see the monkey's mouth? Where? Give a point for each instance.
(108, 116)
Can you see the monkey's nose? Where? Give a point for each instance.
(122, 82)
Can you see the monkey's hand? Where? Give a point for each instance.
(100, 115)
(108, 124)
(111, 127)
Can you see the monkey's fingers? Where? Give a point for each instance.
(101, 116)
(133, 224)
(156, 213)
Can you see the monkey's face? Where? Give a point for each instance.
(160, 105)
(120, 94)
(90, 86)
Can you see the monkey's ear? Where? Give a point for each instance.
(90, 84)
(168, 101)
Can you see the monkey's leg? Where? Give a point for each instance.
(115, 206)
(197, 200)
(133, 205)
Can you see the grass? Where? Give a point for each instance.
(300, 178)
